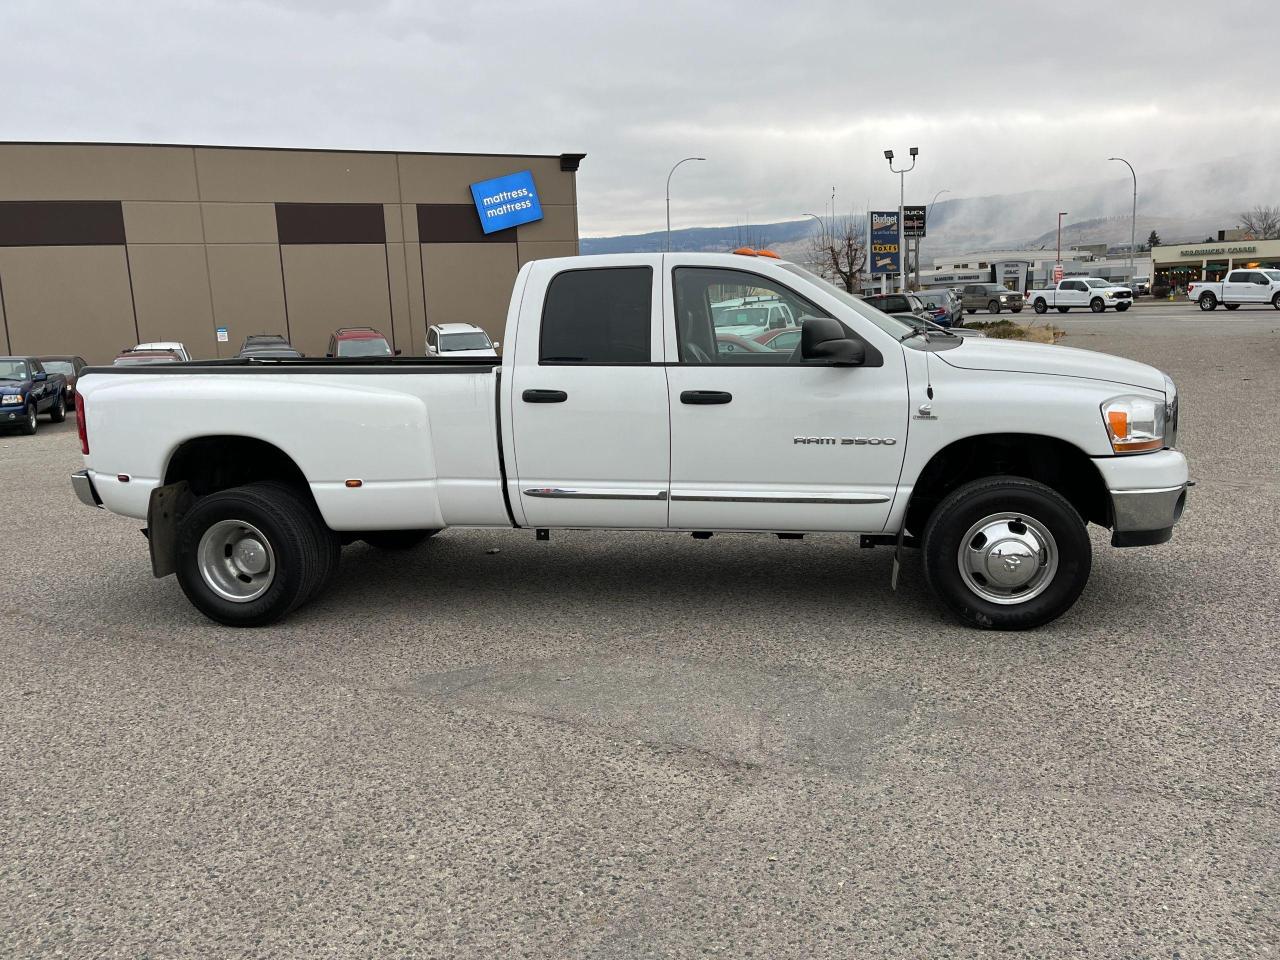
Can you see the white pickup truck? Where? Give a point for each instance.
(612, 408)
(1239, 287)
(1092, 292)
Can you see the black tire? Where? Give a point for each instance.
(1122, 307)
(330, 546)
(302, 545)
(971, 504)
(1098, 305)
(1275, 301)
(1208, 301)
(993, 306)
(396, 539)
(1039, 306)
(1016, 309)
(1063, 309)
(58, 412)
(967, 310)
(1232, 306)
(30, 424)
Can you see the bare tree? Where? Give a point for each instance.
(839, 251)
(1262, 223)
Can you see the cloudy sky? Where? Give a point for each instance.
(786, 100)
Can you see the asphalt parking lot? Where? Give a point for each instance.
(646, 746)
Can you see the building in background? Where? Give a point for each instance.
(1176, 265)
(107, 245)
(1024, 269)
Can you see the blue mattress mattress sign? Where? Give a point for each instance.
(506, 202)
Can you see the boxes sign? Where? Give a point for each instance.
(885, 257)
(506, 202)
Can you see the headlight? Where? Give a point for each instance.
(13, 399)
(1004, 296)
(1134, 424)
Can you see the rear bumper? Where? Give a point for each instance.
(82, 483)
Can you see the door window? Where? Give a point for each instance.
(598, 316)
(716, 308)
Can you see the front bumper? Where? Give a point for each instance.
(82, 483)
(1148, 494)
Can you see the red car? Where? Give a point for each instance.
(782, 340)
(69, 367)
(358, 342)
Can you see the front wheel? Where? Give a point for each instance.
(248, 555)
(1006, 553)
(1040, 307)
(58, 412)
(30, 424)
(1275, 301)
(1097, 305)
(1208, 301)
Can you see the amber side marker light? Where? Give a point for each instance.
(355, 483)
(745, 252)
(767, 253)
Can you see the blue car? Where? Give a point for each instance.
(28, 390)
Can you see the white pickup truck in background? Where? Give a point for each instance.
(1092, 292)
(612, 407)
(1259, 286)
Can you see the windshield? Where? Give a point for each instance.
(740, 317)
(1272, 274)
(1097, 283)
(857, 304)
(465, 341)
(65, 367)
(13, 370)
(373, 347)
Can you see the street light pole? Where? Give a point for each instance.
(902, 199)
(1133, 223)
(1061, 214)
(929, 215)
(673, 170)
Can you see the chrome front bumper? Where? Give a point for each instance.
(1141, 518)
(82, 484)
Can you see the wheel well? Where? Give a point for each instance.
(1050, 461)
(210, 464)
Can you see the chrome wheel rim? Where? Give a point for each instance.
(31, 417)
(1008, 558)
(236, 561)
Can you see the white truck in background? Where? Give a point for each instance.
(614, 407)
(1093, 293)
(1256, 286)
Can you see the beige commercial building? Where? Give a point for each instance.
(1176, 265)
(106, 245)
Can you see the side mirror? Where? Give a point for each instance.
(823, 340)
(497, 344)
(398, 352)
(41, 376)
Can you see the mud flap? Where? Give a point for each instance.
(897, 557)
(164, 510)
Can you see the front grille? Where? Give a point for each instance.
(1124, 294)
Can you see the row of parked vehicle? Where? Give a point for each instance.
(38, 386)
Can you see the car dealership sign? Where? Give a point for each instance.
(506, 202)
(885, 257)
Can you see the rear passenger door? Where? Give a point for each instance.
(588, 404)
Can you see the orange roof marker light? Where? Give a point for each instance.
(767, 253)
(745, 252)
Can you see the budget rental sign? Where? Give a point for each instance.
(885, 256)
(506, 202)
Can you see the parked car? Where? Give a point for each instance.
(751, 316)
(358, 342)
(1141, 286)
(70, 368)
(728, 343)
(923, 323)
(27, 390)
(1239, 287)
(897, 303)
(943, 307)
(454, 340)
(991, 297)
(613, 409)
(172, 345)
(141, 358)
(1092, 292)
(268, 346)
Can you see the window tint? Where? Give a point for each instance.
(598, 316)
(718, 308)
